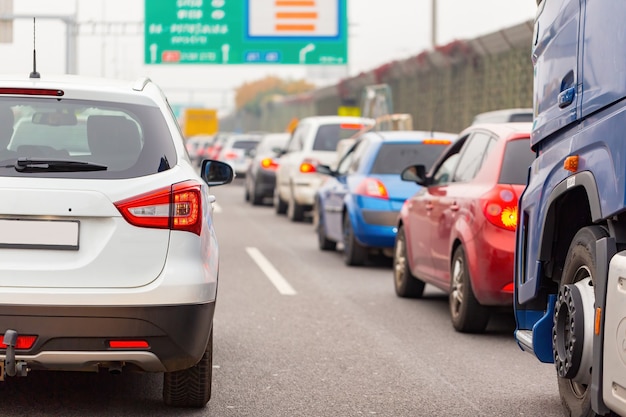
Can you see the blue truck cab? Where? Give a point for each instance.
(570, 266)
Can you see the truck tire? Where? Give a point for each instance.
(467, 314)
(190, 387)
(405, 283)
(580, 264)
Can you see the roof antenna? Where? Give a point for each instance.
(34, 74)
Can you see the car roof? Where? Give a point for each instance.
(320, 120)
(140, 91)
(503, 130)
(504, 115)
(412, 135)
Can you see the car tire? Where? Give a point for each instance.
(354, 254)
(247, 194)
(468, 315)
(581, 257)
(323, 243)
(257, 200)
(279, 204)
(190, 387)
(295, 212)
(405, 283)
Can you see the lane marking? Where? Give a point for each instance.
(270, 272)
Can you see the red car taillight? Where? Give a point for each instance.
(308, 166)
(500, 207)
(230, 155)
(178, 207)
(22, 342)
(269, 163)
(371, 187)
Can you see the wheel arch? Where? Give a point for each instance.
(573, 204)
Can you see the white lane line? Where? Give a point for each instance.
(272, 274)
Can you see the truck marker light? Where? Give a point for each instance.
(598, 321)
(571, 163)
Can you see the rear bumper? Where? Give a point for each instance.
(77, 337)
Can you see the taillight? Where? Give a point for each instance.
(22, 342)
(307, 166)
(371, 187)
(178, 207)
(230, 155)
(500, 207)
(128, 344)
(269, 163)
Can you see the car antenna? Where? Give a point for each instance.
(34, 74)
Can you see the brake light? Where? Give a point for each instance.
(508, 288)
(354, 126)
(500, 207)
(269, 163)
(230, 155)
(307, 166)
(372, 187)
(436, 141)
(178, 207)
(128, 344)
(22, 342)
(32, 91)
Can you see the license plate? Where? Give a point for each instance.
(39, 234)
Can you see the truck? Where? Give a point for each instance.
(570, 257)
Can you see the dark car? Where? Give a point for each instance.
(458, 232)
(359, 202)
(260, 179)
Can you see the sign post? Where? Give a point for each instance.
(304, 32)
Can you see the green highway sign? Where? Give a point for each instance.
(310, 32)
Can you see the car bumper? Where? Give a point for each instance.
(77, 338)
(376, 228)
(491, 256)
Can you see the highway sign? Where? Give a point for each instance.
(310, 32)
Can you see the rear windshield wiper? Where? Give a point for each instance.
(55, 165)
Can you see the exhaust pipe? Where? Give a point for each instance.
(115, 368)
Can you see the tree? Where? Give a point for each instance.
(251, 96)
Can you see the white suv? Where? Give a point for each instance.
(313, 142)
(108, 256)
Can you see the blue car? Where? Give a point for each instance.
(359, 202)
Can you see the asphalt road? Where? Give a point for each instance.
(298, 333)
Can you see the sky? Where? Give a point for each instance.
(110, 42)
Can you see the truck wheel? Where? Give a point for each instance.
(354, 253)
(405, 283)
(568, 334)
(323, 243)
(468, 315)
(190, 387)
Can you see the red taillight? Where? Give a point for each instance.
(500, 207)
(307, 167)
(128, 344)
(22, 342)
(32, 91)
(176, 208)
(508, 288)
(230, 155)
(269, 163)
(371, 187)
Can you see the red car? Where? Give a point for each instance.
(458, 232)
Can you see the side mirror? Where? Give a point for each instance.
(324, 169)
(415, 173)
(216, 173)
